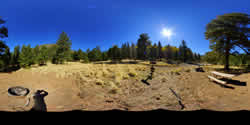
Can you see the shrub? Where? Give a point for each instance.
(125, 77)
(114, 91)
(99, 82)
(176, 71)
(163, 79)
(132, 74)
(187, 70)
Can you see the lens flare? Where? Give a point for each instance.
(166, 32)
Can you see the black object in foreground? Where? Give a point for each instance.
(39, 101)
(18, 91)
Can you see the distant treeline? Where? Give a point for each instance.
(144, 50)
(61, 52)
(225, 33)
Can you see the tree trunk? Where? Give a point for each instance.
(227, 61)
(226, 66)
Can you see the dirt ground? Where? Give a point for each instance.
(75, 91)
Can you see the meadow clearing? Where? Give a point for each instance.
(104, 86)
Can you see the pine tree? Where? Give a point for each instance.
(169, 52)
(15, 56)
(80, 54)
(159, 51)
(124, 51)
(26, 56)
(7, 58)
(142, 44)
(199, 57)
(42, 57)
(36, 53)
(153, 52)
(3, 46)
(176, 55)
(75, 56)
(85, 58)
(95, 54)
(189, 55)
(104, 56)
(3, 34)
(98, 54)
(183, 51)
(133, 51)
(63, 49)
(114, 53)
(128, 50)
(52, 51)
(227, 32)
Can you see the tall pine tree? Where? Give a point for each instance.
(142, 44)
(26, 56)
(63, 49)
(15, 56)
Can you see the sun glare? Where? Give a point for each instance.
(166, 32)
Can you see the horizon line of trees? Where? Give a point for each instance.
(225, 33)
(61, 52)
(145, 50)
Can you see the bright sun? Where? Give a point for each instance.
(166, 32)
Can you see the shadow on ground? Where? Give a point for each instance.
(224, 86)
(150, 76)
(9, 69)
(234, 82)
(234, 71)
(40, 104)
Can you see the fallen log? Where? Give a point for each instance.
(222, 74)
(217, 80)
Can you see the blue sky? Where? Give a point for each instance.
(107, 22)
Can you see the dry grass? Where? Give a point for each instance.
(221, 67)
(95, 73)
(121, 83)
(208, 68)
(158, 63)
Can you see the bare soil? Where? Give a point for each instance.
(79, 92)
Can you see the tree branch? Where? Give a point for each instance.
(246, 51)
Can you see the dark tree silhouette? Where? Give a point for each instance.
(3, 34)
(227, 32)
(63, 49)
(142, 44)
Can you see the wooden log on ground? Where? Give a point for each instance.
(222, 74)
(217, 80)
